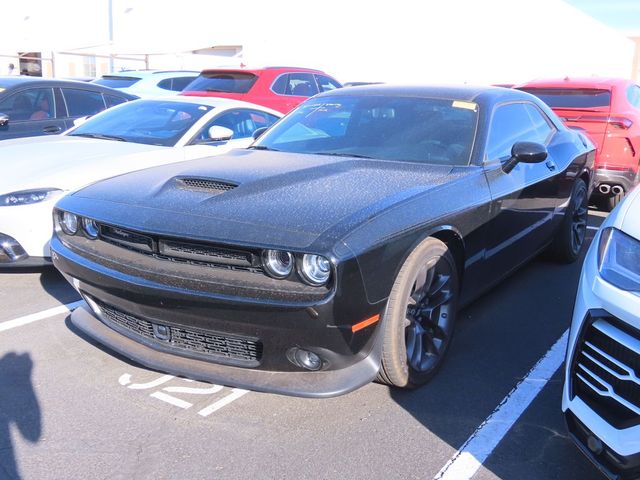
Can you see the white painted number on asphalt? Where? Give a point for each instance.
(164, 393)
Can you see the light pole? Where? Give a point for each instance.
(110, 35)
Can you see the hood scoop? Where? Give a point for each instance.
(204, 185)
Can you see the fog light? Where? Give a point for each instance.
(304, 358)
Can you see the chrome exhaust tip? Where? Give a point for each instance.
(617, 190)
(604, 189)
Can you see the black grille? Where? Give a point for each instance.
(205, 185)
(198, 343)
(606, 372)
(206, 253)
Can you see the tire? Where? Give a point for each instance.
(419, 319)
(569, 240)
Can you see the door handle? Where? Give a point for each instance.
(52, 129)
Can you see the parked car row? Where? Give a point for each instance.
(339, 246)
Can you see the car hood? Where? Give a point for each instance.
(274, 198)
(68, 162)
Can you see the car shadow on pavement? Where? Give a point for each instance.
(56, 286)
(498, 339)
(19, 408)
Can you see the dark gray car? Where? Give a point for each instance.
(33, 106)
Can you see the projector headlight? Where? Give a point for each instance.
(277, 263)
(69, 223)
(315, 269)
(91, 228)
(619, 259)
(27, 197)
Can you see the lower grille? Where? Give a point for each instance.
(208, 345)
(605, 372)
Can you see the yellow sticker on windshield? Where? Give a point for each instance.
(467, 105)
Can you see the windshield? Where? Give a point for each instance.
(152, 122)
(413, 129)
(226, 82)
(579, 98)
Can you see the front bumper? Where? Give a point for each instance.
(618, 454)
(130, 306)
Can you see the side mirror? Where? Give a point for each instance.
(218, 133)
(79, 121)
(257, 133)
(4, 119)
(525, 152)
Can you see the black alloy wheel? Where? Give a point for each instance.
(419, 320)
(427, 324)
(570, 237)
(579, 220)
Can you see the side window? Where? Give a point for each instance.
(301, 85)
(515, 122)
(325, 83)
(165, 84)
(280, 85)
(178, 84)
(540, 123)
(31, 104)
(112, 100)
(242, 122)
(83, 102)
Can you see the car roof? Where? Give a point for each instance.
(9, 82)
(469, 93)
(262, 69)
(151, 73)
(576, 82)
(212, 102)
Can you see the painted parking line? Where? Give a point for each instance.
(591, 227)
(474, 452)
(34, 317)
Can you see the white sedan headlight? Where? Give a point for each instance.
(26, 197)
(619, 259)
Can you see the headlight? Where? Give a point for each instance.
(619, 259)
(26, 197)
(69, 223)
(316, 269)
(277, 263)
(91, 228)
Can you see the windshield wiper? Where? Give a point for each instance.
(340, 154)
(262, 147)
(99, 136)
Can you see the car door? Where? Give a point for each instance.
(32, 112)
(525, 199)
(242, 121)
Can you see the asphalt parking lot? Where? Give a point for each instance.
(70, 409)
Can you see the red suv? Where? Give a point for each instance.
(280, 88)
(608, 110)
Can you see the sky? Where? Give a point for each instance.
(623, 15)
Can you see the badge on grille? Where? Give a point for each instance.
(162, 332)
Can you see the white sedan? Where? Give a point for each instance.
(601, 397)
(37, 171)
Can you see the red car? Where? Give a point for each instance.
(608, 110)
(280, 88)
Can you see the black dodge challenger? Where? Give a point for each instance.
(337, 249)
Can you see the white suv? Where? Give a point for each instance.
(149, 83)
(601, 397)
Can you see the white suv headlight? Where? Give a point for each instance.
(26, 197)
(619, 259)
